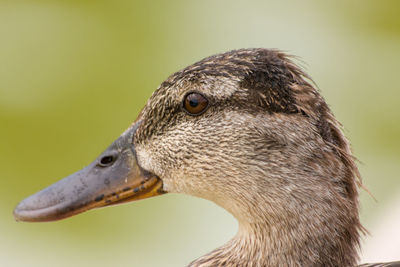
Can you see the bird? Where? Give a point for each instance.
(249, 130)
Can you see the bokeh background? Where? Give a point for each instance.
(74, 75)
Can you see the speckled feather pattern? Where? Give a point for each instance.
(268, 150)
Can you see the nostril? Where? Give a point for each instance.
(107, 160)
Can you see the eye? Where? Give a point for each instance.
(195, 103)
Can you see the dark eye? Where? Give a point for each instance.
(195, 103)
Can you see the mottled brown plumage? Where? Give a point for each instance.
(266, 148)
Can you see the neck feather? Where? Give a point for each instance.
(301, 240)
(297, 205)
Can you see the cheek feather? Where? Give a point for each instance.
(146, 161)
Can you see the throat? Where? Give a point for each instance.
(298, 245)
(248, 248)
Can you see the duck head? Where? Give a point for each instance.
(246, 129)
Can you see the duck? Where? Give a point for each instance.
(249, 130)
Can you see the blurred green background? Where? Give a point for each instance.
(74, 75)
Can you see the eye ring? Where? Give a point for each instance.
(195, 103)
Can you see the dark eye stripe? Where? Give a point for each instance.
(195, 103)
